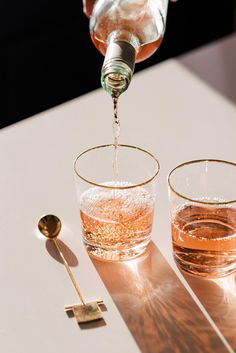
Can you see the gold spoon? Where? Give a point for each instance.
(50, 227)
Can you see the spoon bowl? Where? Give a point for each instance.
(49, 226)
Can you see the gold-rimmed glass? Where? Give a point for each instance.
(202, 196)
(116, 191)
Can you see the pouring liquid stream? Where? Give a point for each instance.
(116, 134)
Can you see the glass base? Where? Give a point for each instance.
(108, 254)
(205, 271)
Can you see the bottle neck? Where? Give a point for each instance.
(118, 67)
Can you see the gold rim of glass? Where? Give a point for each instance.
(194, 162)
(117, 187)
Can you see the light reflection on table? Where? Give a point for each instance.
(156, 307)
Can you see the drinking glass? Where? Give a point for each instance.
(116, 191)
(202, 196)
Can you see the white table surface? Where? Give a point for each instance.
(167, 110)
(215, 64)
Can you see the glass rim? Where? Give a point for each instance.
(195, 162)
(117, 187)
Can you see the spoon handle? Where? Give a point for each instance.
(69, 271)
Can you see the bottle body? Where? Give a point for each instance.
(140, 23)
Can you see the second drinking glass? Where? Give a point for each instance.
(203, 217)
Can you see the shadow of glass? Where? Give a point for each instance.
(158, 310)
(67, 252)
(218, 296)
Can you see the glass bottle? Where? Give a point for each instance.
(126, 32)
